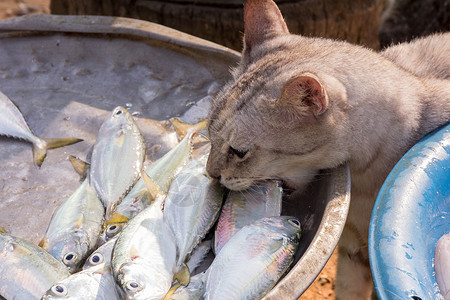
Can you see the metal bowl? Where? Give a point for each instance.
(411, 213)
(66, 73)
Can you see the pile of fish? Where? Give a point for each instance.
(130, 233)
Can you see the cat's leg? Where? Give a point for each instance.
(353, 278)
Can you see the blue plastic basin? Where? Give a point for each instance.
(411, 213)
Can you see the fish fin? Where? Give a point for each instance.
(3, 230)
(183, 129)
(151, 186)
(56, 143)
(44, 243)
(39, 153)
(116, 218)
(40, 149)
(183, 276)
(80, 166)
(172, 290)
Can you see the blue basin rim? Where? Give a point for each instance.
(411, 213)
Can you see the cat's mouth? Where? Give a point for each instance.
(240, 184)
(237, 184)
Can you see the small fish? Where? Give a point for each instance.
(442, 265)
(95, 283)
(74, 228)
(13, 124)
(100, 256)
(244, 207)
(27, 271)
(254, 259)
(162, 172)
(117, 158)
(144, 257)
(192, 206)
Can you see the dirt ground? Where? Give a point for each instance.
(323, 286)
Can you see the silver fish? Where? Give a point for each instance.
(95, 283)
(27, 271)
(253, 260)
(162, 172)
(117, 158)
(244, 207)
(192, 206)
(144, 257)
(100, 256)
(13, 124)
(74, 228)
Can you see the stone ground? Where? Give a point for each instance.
(323, 286)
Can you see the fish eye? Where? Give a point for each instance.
(238, 153)
(58, 290)
(96, 259)
(133, 286)
(112, 230)
(70, 258)
(118, 112)
(294, 222)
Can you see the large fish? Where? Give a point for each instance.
(74, 228)
(117, 158)
(192, 206)
(244, 207)
(95, 283)
(13, 124)
(27, 271)
(253, 260)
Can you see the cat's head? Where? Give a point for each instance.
(279, 117)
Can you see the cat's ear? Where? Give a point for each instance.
(305, 94)
(262, 20)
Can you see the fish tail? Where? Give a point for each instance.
(80, 166)
(183, 129)
(42, 145)
(56, 143)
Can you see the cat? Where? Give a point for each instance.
(298, 104)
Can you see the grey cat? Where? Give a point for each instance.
(297, 105)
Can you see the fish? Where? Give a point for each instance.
(75, 227)
(94, 283)
(144, 256)
(102, 255)
(244, 207)
(161, 172)
(117, 158)
(13, 124)
(192, 206)
(442, 265)
(27, 271)
(254, 259)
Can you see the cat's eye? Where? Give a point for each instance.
(240, 154)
